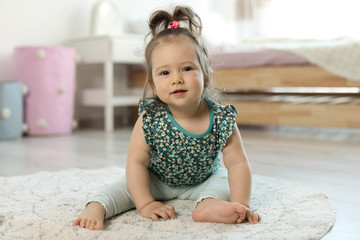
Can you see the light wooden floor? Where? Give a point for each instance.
(327, 160)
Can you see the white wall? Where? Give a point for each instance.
(39, 22)
(50, 22)
(321, 19)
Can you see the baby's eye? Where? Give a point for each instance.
(163, 73)
(187, 69)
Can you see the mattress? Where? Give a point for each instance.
(256, 58)
(339, 56)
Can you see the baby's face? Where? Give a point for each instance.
(176, 71)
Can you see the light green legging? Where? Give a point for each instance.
(116, 197)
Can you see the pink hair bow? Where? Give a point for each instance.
(174, 24)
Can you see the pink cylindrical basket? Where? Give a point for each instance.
(49, 74)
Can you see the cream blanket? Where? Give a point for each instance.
(43, 206)
(340, 56)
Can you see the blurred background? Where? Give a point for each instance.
(43, 22)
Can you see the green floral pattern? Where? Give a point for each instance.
(178, 157)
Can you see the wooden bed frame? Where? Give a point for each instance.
(249, 89)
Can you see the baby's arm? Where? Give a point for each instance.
(238, 209)
(239, 173)
(138, 178)
(238, 168)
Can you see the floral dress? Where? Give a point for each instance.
(180, 158)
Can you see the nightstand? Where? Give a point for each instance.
(109, 50)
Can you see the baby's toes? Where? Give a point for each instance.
(91, 225)
(242, 216)
(76, 222)
(83, 222)
(99, 225)
(88, 223)
(240, 219)
(96, 225)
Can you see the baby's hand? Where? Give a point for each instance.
(245, 214)
(156, 210)
(252, 216)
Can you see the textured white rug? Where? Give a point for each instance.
(43, 206)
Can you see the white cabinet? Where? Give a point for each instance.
(109, 50)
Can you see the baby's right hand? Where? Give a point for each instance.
(156, 210)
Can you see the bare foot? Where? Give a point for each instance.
(214, 210)
(92, 217)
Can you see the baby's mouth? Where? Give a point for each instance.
(179, 92)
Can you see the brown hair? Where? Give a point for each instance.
(160, 32)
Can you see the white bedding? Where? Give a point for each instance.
(340, 56)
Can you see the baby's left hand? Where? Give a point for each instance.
(252, 216)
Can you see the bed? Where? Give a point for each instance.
(279, 86)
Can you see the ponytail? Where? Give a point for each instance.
(160, 20)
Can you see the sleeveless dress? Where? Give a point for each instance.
(178, 157)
